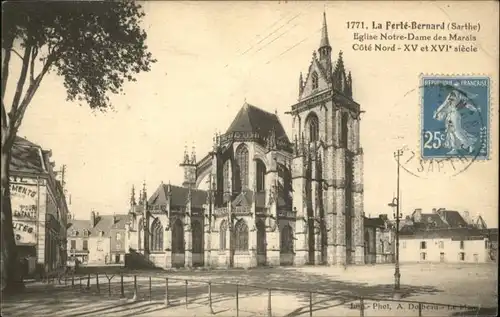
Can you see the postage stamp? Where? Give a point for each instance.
(455, 117)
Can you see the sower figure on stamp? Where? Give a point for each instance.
(450, 111)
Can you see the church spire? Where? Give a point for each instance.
(144, 193)
(325, 50)
(325, 42)
(132, 197)
(186, 154)
(193, 154)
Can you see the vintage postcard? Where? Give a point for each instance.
(264, 158)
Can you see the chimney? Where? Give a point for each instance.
(467, 217)
(114, 218)
(417, 215)
(434, 211)
(92, 218)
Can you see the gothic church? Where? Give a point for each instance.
(271, 200)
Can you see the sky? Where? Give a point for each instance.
(212, 56)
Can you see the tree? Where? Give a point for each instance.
(94, 46)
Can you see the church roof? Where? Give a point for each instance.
(253, 119)
(179, 196)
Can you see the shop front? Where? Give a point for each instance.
(25, 202)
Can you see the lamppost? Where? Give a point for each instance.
(396, 205)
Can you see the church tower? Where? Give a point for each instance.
(189, 166)
(327, 163)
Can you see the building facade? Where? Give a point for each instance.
(39, 208)
(446, 246)
(271, 201)
(379, 240)
(446, 236)
(100, 240)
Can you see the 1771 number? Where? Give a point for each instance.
(355, 25)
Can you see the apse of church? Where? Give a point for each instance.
(270, 200)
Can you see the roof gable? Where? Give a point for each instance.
(244, 199)
(159, 197)
(323, 83)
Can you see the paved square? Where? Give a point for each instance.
(472, 285)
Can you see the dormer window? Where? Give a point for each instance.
(315, 81)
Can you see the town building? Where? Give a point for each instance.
(99, 240)
(446, 236)
(379, 240)
(271, 200)
(451, 245)
(39, 208)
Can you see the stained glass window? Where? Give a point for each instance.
(178, 237)
(156, 236)
(197, 234)
(315, 82)
(242, 166)
(286, 239)
(241, 235)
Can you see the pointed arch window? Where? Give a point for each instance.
(140, 231)
(261, 176)
(312, 125)
(241, 235)
(286, 239)
(242, 167)
(315, 80)
(197, 233)
(178, 237)
(222, 235)
(344, 130)
(156, 243)
(261, 237)
(226, 178)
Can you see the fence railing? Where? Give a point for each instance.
(172, 291)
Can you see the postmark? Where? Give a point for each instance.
(455, 117)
